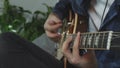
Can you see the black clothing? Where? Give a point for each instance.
(16, 52)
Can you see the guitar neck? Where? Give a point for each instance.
(98, 40)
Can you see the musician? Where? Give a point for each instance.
(16, 52)
(102, 15)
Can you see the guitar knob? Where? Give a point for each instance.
(81, 22)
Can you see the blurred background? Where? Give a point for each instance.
(25, 17)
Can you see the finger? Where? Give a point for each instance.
(53, 34)
(76, 45)
(51, 26)
(65, 48)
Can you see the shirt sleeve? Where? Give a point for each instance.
(61, 8)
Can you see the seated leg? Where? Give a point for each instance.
(16, 52)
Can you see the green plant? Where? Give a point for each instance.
(13, 20)
(35, 27)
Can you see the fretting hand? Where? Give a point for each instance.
(88, 60)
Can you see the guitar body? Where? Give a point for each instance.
(76, 23)
(82, 24)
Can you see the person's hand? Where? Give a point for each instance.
(51, 26)
(87, 60)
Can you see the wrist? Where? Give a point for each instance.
(54, 14)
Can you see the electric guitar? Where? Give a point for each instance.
(105, 40)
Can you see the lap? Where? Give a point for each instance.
(17, 52)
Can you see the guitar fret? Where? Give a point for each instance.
(100, 40)
(89, 40)
(109, 40)
(84, 40)
(81, 39)
(96, 40)
(103, 41)
(92, 36)
(93, 44)
(92, 41)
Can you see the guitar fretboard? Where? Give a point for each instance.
(96, 40)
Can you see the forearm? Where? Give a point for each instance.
(61, 8)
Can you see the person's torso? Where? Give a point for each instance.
(110, 22)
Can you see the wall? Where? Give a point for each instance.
(1, 3)
(31, 5)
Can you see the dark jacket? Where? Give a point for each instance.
(106, 58)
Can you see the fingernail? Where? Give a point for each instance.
(78, 33)
(59, 33)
